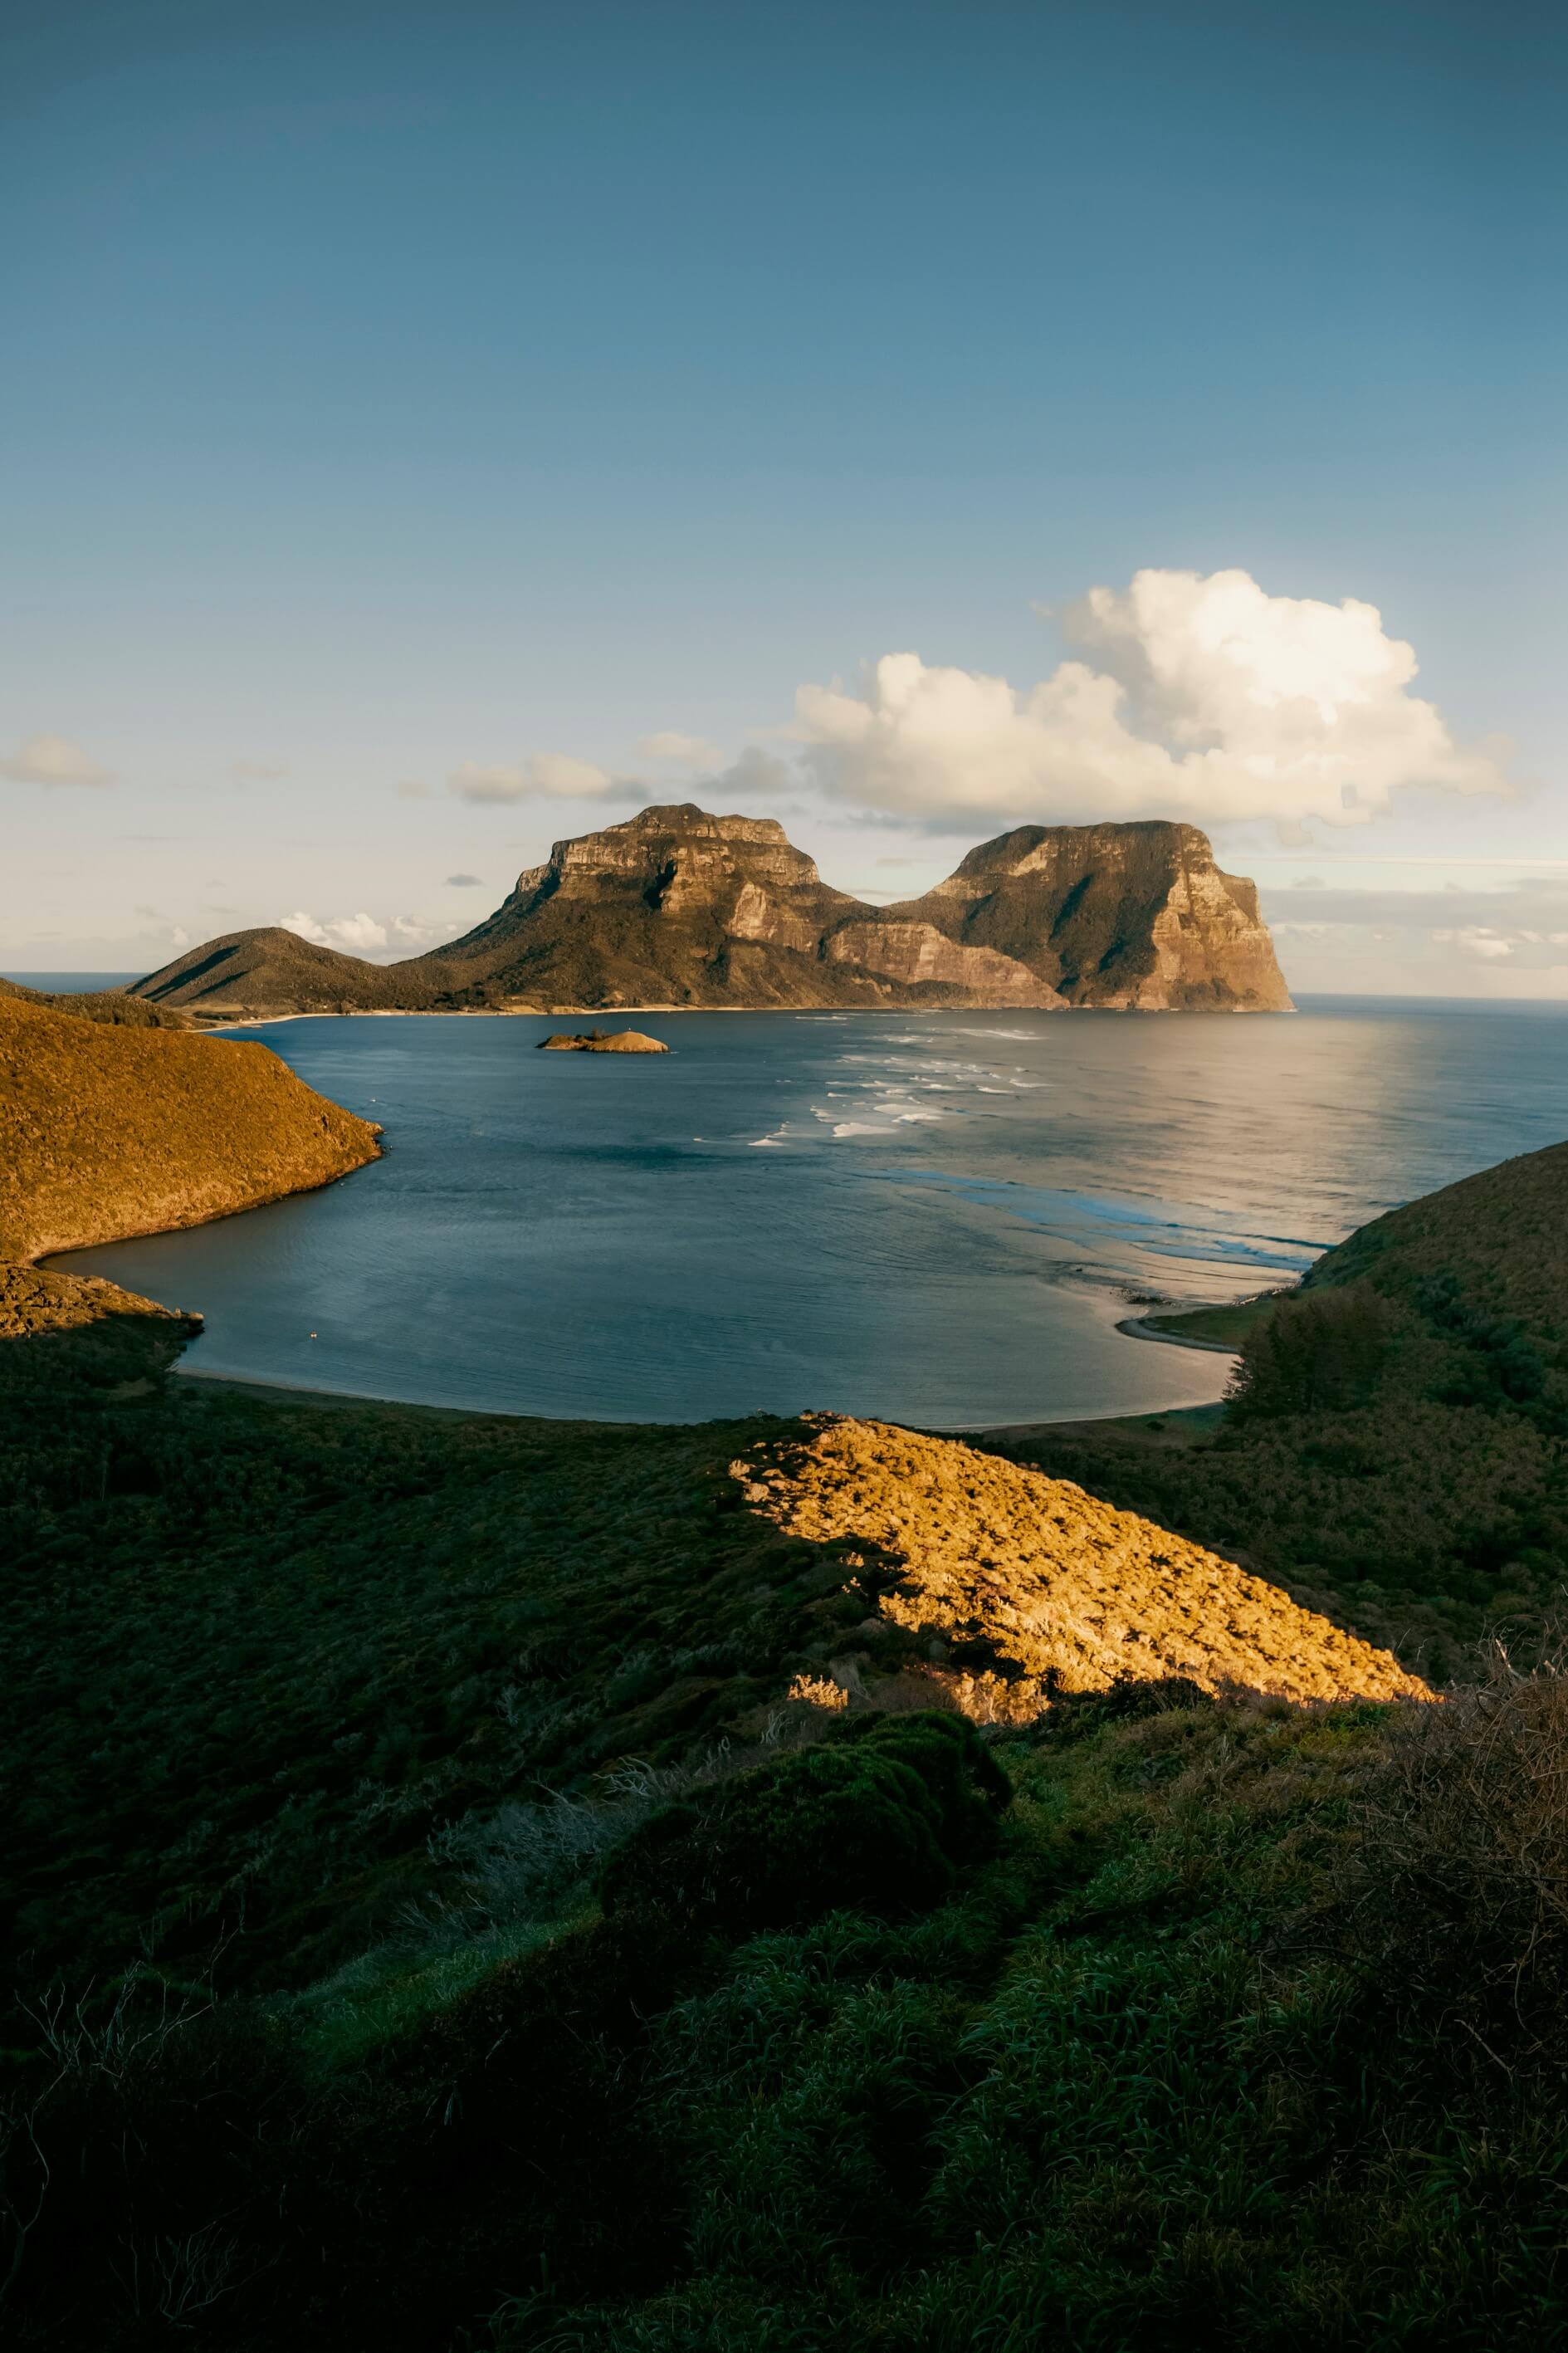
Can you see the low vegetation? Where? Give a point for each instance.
(115, 1006)
(162, 1129)
(1018, 1588)
(1151, 2041)
(488, 1886)
(1396, 1447)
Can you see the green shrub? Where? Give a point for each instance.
(878, 1818)
(1319, 1352)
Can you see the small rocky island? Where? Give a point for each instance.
(596, 1042)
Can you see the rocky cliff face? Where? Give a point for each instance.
(676, 907)
(1130, 917)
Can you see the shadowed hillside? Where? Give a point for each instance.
(435, 1927)
(1500, 1238)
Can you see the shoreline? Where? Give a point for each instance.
(271, 1392)
(1137, 1328)
(614, 1012)
(597, 1012)
(51, 1249)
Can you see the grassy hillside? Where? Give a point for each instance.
(107, 1131)
(1397, 1447)
(111, 1005)
(307, 1640)
(475, 1884)
(1500, 1238)
(399, 2014)
(273, 970)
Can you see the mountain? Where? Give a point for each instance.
(1130, 917)
(274, 971)
(676, 907)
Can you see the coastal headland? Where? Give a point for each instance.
(110, 1129)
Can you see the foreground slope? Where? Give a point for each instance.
(430, 1920)
(676, 907)
(1031, 1586)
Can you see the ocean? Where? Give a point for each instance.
(937, 1219)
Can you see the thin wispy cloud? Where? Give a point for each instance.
(554, 776)
(689, 751)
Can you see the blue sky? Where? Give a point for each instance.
(411, 413)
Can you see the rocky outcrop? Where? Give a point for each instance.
(595, 1041)
(915, 953)
(676, 907)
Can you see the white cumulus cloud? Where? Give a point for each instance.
(354, 933)
(557, 774)
(690, 751)
(362, 935)
(1478, 940)
(1202, 697)
(53, 760)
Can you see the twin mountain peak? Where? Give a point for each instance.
(676, 908)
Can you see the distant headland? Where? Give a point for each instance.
(677, 909)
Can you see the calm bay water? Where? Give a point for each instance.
(937, 1219)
